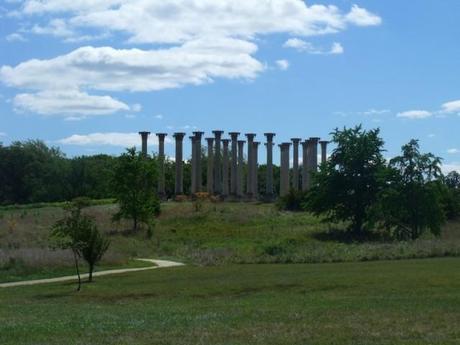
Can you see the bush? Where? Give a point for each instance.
(293, 201)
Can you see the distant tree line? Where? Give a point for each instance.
(31, 172)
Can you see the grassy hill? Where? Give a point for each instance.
(207, 234)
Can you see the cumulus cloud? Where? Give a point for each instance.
(282, 64)
(373, 111)
(206, 40)
(304, 46)
(106, 139)
(415, 114)
(178, 21)
(67, 103)
(451, 107)
(453, 151)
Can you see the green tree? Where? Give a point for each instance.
(135, 189)
(346, 187)
(411, 201)
(79, 233)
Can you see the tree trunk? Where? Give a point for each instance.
(91, 269)
(75, 257)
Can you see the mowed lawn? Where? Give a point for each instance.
(383, 302)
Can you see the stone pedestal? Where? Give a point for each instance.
(284, 173)
(161, 165)
(179, 181)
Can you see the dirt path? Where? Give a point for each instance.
(158, 264)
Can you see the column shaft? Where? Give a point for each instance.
(284, 177)
(179, 185)
(323, 151)
(269, 178)
(217, 163)
(234, 164)
(305, 157)
(210, 172)
(225, 171)
(193, 168)
(255, 169)
(239, 178)
(198, 169)
(295, 165)
(161, 165)
(250, 137)
(144, 137)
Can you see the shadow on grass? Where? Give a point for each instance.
(346, 236)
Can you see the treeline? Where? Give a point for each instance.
(32, 172)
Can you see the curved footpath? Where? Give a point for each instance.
(158, 264)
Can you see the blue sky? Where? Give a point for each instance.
(88, 75)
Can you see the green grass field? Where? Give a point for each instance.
(397, 302)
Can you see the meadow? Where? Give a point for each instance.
(204, 234)
(384, 302)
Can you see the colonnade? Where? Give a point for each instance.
(225, 161)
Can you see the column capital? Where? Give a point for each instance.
(198, 134)
(296, 141)
(179, 135)
(234, 135)
(210, 140)
(324, 142)
(144, 133)
(250, 136)
(161, 135)
(269, 136)
(285, 145)
(217, 133)
(225, 141)
(314, 139)
(241, 142)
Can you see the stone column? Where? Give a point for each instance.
(250, 137)
(225, 185)
(305, 148)
(314, 153)
(284, 177)
(323, 151)
(193, 163)
(161, 164)
(145, 138)
(217, 163)
(295, 165)
(210, 172)
(269, 182)
(255, 169)
(179, 189)
(239, 176)
(198, 171)
(234, 169)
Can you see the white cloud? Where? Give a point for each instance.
(282, 64)
(415, 114)
(431, 135)
(453, 151)
(159, 116)
(67, 103)
(448, 167)
(451, 107)
(3, 134)
(337, 48)
(106, 139)
(178, 21)
(136, 107)
(373, 111)
(304, 46)
(15, 37)
(210, 40)
(361, 17)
